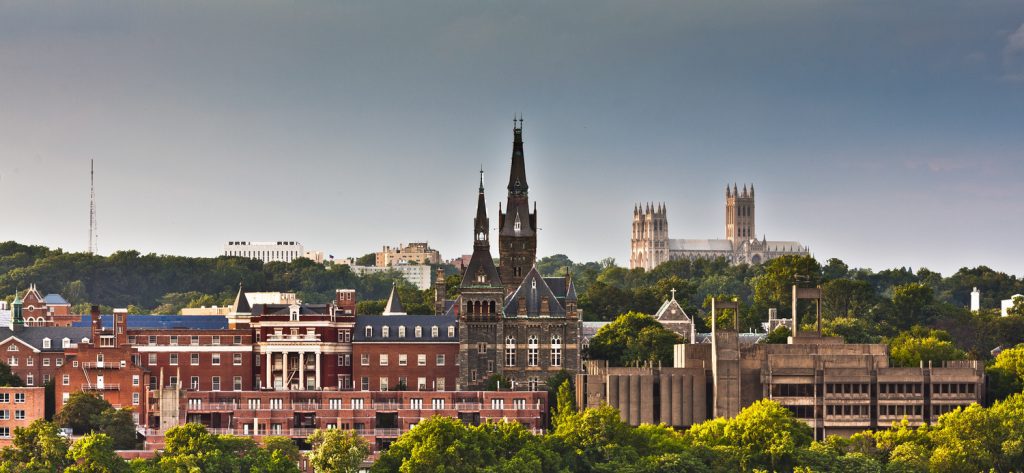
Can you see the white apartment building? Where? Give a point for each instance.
(265, 251)
(418, 275)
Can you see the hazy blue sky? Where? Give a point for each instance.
(884, 133)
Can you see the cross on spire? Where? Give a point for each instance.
(673, 293)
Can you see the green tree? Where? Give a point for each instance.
(38, 448)
(774, 288)
(337, 450)
(846, 298)
(1018, 306)
(763, 435)
(912, 303)
(1006, 374)
(565, 405)
(119, 426)
(779, 336)
(919, 344)
(285, 445)
(81, 412)
(369, 259)
(7, 377)
(633, 338)
(94, 453)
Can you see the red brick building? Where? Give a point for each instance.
(104, 364)
(35, 354)
(50, 310)
(18, 408)
(200, 359)
(405, 352)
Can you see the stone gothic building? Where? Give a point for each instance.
(512, 321)
(651, 245)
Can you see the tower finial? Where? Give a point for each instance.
(481, 178)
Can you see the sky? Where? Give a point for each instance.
(887, 134)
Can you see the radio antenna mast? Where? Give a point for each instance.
(93, 234)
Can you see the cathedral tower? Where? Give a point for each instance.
(517, 226)
(649, 245)
(739, 214)
(480, 306)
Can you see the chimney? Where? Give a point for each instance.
(120, 327)
(545, 308)
(345, 299)
(522, 306)
(97, 325)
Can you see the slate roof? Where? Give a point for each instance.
(197, 322)
(534, 288)
(665, 313)
(685, 244)
(241, 305)
(481, 261)
(55, 299)
(34, 336)
(377, 322)
(285, 309)
(394, 305)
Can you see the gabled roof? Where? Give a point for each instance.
(481, 263)
(394, 305)
(285, 309)
(33, 336)
(532, 291)
(671, 311)
(55, 299)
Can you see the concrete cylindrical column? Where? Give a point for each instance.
(685, 387)
(647, 399)
(665, 387)
(634, 400)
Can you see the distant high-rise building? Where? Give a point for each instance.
(265, 251)
(651, 246)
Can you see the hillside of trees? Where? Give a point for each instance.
(859, 304)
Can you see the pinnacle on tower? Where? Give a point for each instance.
(728, 192)
(735, 190)
(751, 191)
(744, 190)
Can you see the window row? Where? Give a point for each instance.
(848, 410)
(385, 331)
(532, 351)
(900, 410)
(19, 398)
(384, 359)
(856, 388)
(31, 361)
(194, 359)
(402, 384)
(183, 339)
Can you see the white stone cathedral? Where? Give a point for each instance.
(651, 245)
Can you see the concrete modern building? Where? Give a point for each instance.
(416, 274)
(651, 246)
(837, 388)
(265, 251)
(414, 253)
(1007, 304)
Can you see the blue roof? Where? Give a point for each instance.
(410, 322)
(198, 322)
(54, 299)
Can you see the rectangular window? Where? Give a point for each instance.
(421, 359)
(236, 359)
(497, 403)
(237, 383)
(364, 359)
(216, 383)
(519, 404)
(19, 398)
(215, 359)
(237, 340)
(437, 404)
(132, 339)
(194, 383)
(30, 361)
(174, 339)
(416, 403)
(174, 359)
(194, 359)
(195, 339)
(5, 397)
(5, 414)
(19, 414)
(215, 340)
(46, 362)
(135, 380)
(364, 383)
(66, 381)
(135, 398)
(403, 359)
(383, 359)
(421, 384)
(383, 383)
(152, 339)
(152, 359)
(439, 384)
(439, 361)
(357, 403)
(5, 432)
(59, 362)
(172, 381)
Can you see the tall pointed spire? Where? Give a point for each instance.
(481, 224)
(517, 176)
(241, 305)
(394, 305)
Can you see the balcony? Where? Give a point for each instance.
(101, 365)
(287, 337)
(105, 387)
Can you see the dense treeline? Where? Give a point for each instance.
(762, 437)
(859, 305)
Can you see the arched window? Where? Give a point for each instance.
(401, 331)
(418, 331)
(433, 331)
(46, 343)
(65, 343)
(532, 349)
(384, 331)
(510, 351)
(556, 351)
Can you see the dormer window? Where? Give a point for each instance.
(46, 343)
(385, 331)
(419, 331)
(293, 313)
(534, 284)
(451, 331)
(369, 332)
(433, 331)
(65, 343)
(85, 340)
(401, 331)
(518, 226)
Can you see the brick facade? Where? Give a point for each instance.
(18, 408)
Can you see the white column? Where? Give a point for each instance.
(318, 355)
(269, 381)
(302, 371)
